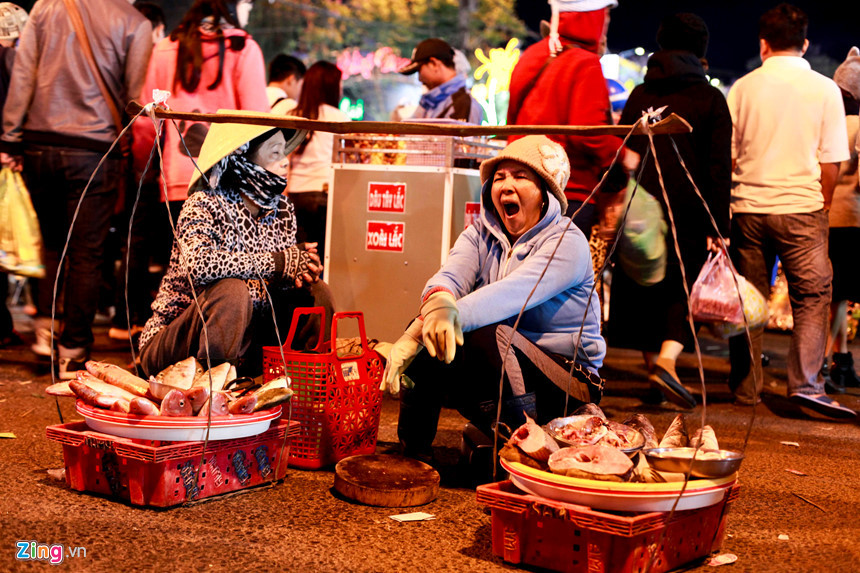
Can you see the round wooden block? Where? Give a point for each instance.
(386, 480)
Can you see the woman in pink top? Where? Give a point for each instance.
(207, 63)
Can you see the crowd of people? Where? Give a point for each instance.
(245, 238)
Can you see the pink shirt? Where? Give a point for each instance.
(243, 86)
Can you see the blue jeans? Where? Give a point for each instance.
(56, 178)
(800, 241)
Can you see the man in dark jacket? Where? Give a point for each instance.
(58, 126)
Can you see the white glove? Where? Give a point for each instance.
(442, 330)
(400, 356)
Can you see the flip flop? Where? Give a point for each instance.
(672, 388)
(824, 405)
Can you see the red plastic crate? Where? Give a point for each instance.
(162, 474)
(336, 400)
(573, 538)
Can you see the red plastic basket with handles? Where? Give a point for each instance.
(336, 400)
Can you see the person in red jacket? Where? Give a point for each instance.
(568, 88)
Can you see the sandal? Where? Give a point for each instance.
(824, 405)
(672, 387)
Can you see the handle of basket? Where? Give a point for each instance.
(300, 312)
(355, 314)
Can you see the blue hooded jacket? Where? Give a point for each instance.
(491, 279)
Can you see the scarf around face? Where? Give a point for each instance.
(238, 173)
(433, 98)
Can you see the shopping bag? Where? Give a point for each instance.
(642, 245)
(714, 296)
(20, 237)
(756, 310)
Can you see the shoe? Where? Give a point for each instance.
(672, 387)
(68, 368)
(842, 372)
(42, 346)
(70, 361)
(824, 405)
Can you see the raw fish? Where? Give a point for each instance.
(596, 462)
(180, 375)
(175, 404)
(676, 436)
(143, 407)
(708, 438)
(113, 374)
(533, 441)
(590, 409)
(640, 423)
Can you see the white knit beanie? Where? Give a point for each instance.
(847, 75)
(583, 5)
(546, 157)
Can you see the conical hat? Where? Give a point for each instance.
(225, 138)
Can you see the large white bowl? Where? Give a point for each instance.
(619, 496)
(176, 429)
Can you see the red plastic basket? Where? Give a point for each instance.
(163, 474)
(573, 538)
(336, 400)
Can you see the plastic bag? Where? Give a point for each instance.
(642, 245)
(20, 237)
(756, 310)
(714, 297)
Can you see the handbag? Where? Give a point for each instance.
(20, 236)
(642, 245)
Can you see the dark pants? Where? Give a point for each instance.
(800, 241)
(234, 332)
(311, 207)
(470, 384)
(56, 178)
(586, 218)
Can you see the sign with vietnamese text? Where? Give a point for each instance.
(386, 197)
(385, 236)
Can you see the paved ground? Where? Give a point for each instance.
(300, 525)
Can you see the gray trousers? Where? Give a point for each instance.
(235, 333)
(800, 241)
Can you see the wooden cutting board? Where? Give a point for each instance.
(386, 480)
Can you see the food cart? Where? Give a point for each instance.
(396, 206)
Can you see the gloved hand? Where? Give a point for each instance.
(400, 356)
(442, 330)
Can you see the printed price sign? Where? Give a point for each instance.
(386, 197)
(385, 236)
(472, 213)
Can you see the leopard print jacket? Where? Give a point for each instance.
(222, 240)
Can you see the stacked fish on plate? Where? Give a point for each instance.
(181, 390)
(587, 445)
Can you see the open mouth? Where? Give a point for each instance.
(511, 209)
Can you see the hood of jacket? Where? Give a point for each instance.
(676, 67)
(582, 28)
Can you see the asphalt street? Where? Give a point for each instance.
(797, 511)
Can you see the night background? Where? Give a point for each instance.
(733, 48)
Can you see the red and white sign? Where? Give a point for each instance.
(472, 213)
(385, 236)
(386, 197)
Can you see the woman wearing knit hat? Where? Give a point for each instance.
(845, 233)
(522, 251)
(676, 79)
(235, 242)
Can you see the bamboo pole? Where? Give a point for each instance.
(671, 124)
